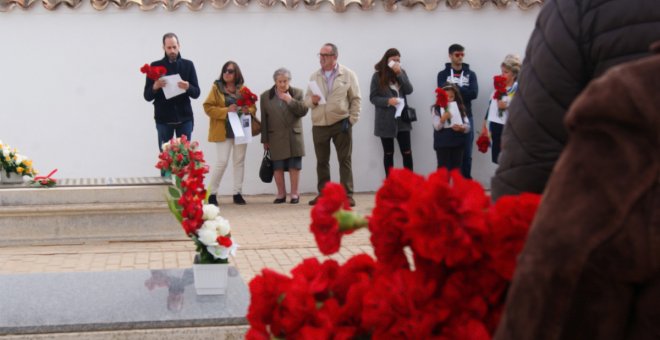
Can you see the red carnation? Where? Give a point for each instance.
(153, 72)
(390, 217)
(325, 224)
(447, 218)
(266, 291)
(224, 241)
(509, 221)
(441, 98)
(483, 143)
(499, 82)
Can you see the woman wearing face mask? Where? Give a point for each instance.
(222, 99)
(389, 85)
(282, 108)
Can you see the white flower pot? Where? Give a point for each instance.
(11, 178)
(210, 279)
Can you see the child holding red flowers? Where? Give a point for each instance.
(449, 136)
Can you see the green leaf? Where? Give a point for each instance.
(174, 192)
(175, 209)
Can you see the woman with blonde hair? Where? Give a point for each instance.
(500, 101)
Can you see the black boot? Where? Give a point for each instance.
(213, 200)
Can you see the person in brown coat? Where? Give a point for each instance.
(282, 107)
(590, 268)
(573, 42)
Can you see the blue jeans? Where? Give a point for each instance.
(466, 167)
(166, 131)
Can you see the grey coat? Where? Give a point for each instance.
(385, 125)
(281, 126)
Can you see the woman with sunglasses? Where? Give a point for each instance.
(222, 100)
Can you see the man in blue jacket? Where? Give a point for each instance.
(458, 73)
(174, 114)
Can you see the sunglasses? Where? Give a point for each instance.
(230, 71)
(459, 54)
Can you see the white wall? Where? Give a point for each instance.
(72, 92)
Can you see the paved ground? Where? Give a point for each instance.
(269, 235)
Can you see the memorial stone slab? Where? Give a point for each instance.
(113, 301)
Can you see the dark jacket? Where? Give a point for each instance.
(573, 42)
(447, 137)
(468, 85)
(591, 262)
(385, 125)
(175, 109)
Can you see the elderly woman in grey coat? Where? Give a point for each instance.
(282, 108)
(389, 85)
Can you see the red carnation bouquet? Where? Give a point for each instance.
(442, 100)
(499, 82)
(153, 72)
(210, 232)
(247, 98)
(444, 258)
(483, 143)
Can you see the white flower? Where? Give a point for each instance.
(219, 224)
(207, 235)
(19, 159)
(223, 226)
(166, 145)
(210, 212)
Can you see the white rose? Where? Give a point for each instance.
(207, 235)
(210, 212)
(222, 226)
(165, 145)
(19, 159)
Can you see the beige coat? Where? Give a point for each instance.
(342, 102)
(217, 110)
(281, 125)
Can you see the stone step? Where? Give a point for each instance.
(80, 214)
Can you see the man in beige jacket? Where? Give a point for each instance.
(333, 116)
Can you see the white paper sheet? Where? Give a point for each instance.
(314, 87)
(493, 115)
(235, 123)
(399, 107)
(455, 115)
(246, 123)
(172, 88)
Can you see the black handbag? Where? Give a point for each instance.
(266, 169)
(409, 114)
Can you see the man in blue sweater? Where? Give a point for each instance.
(458, 73)
(174, 114)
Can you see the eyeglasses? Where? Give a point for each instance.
(230, 71)
(459, 54)
(326, 55)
